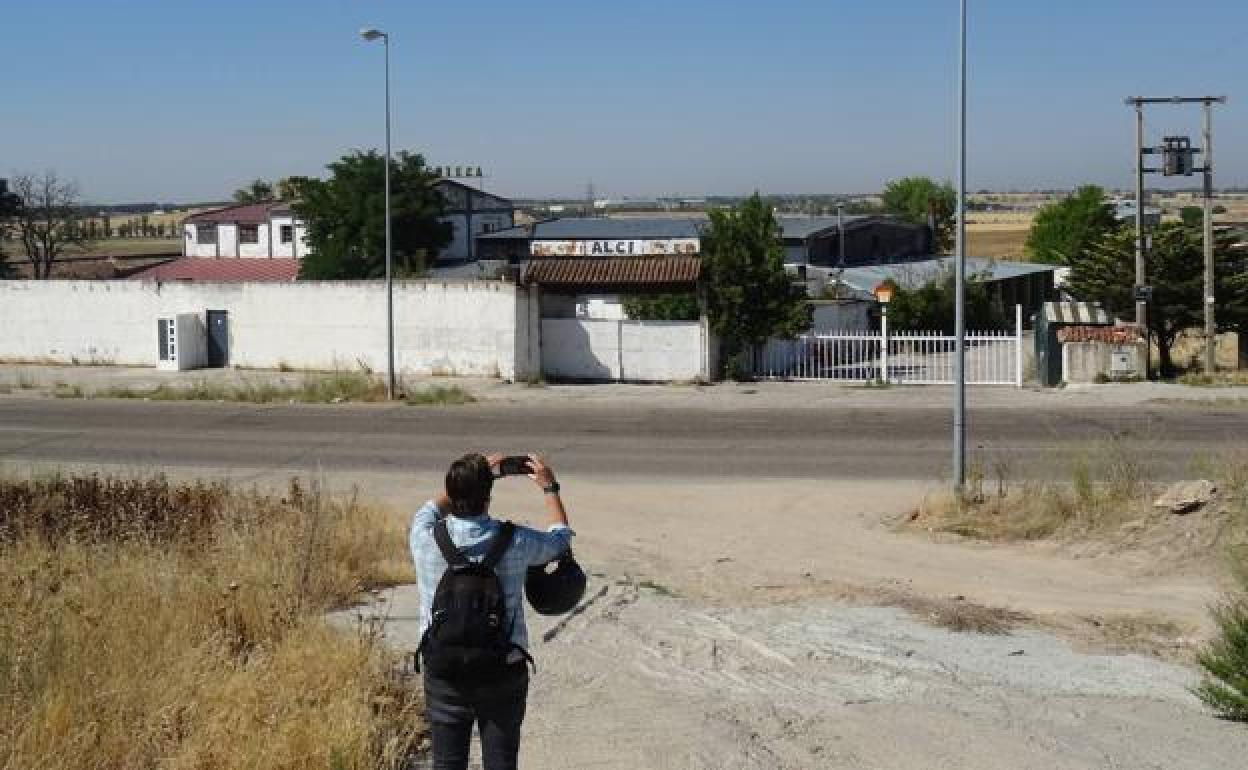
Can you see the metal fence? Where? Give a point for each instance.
(904, 358)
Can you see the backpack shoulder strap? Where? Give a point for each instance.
(442, 536)
(502, 541)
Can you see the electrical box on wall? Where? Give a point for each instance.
(181, 342)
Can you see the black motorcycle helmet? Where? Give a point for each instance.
(556, 587)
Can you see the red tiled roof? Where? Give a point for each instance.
(592, 272)
(223, 270)
(1115, 335)
(247, 213)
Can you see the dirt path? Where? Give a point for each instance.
(718, 635)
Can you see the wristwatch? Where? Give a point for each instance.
(552, 489)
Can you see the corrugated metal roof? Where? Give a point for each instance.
(1076, 313)
(804, 227)
(614, 271)
(610, 228)
(223, 270)
(247, 213)
(911, 275)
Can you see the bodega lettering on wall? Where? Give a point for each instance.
(613, 248)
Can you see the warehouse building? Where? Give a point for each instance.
(807, 240)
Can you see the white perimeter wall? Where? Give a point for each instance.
(640, 351)
(468, 329)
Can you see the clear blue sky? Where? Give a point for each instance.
(161, 100)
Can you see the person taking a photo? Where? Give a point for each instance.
(474, 640)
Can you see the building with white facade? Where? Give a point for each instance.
(472, 213)
(253, 230)
(271, 230)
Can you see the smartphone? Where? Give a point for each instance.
(516, 465)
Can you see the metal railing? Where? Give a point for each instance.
(898, 358)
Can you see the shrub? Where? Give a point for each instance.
(1225, 659)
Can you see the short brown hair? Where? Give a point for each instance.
(469, 482)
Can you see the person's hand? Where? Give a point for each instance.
(495, 459)
(542, 475)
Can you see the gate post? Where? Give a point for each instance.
(884, 343)
(1018, 345)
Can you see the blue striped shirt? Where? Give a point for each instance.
(473, 536)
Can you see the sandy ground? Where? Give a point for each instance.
(742, 625)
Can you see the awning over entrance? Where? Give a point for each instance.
(666, 273)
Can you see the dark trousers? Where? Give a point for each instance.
(496, 705)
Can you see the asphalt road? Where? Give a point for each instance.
(606, 441)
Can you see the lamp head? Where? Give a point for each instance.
(371, 33)
(884, 292)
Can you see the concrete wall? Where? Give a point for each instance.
(1093, 361)
(471, 329)
(631, 351)
(590, 307)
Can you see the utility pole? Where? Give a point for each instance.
(1177, 152)
(1211, 327)
(1141, 279)
(840, 235)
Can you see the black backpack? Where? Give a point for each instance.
(468, 635)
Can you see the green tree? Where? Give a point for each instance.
(750, 297)
(289, 188)
(931, 307)
(257, 192)
(1192, 216)
(1175, 271)
(917, 199)
(663, 307)
(346, 218)
(1064, 231)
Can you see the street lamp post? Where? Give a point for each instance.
(371, 34)
(959, 361)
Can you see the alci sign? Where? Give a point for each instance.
(614, 248)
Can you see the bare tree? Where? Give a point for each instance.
(49, 219)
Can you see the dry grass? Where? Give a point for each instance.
(151, 624)
(1106, 504)
(332, 388)
(1000, 242)
(958, 614)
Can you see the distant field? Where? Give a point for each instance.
(1002, 241)
(127, 246)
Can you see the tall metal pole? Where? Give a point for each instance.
(389, 273)
(1141, 307)
(840, 234)
(959, 371)
(1211, 329)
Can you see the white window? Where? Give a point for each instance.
(248, 233)
(206, 234)
(287, 233)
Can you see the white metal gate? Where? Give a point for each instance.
(905, 358)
